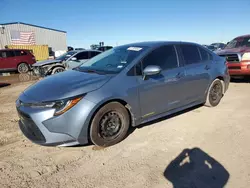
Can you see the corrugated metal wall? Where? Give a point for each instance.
(54, 39)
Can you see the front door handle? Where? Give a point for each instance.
(179, 75)
(207, 67)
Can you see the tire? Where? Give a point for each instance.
(23, 68)
(57, 70)
(215, 93)
(109, 125)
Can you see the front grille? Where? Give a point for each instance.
(29, 128)
(231, 58)
(234, 68)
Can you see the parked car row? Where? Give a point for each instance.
(120, 88)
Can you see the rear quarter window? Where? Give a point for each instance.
(20, 53)
(205, 55)
(190, 54)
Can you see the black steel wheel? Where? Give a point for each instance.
(215, 93)
(109, 125)
(23, 68)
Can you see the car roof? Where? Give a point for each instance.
(87, 51)
(7, 49)
(243, 36)
(158, 43)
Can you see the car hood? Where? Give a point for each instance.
(65, 85)
(233, 50)
(46, 62)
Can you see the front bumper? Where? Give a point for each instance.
(239, 69)
(42, 127)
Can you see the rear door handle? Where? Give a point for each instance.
(207, 67)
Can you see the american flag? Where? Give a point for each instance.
(22, 37)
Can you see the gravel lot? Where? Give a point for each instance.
(148, 157)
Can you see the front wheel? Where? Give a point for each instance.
(215, 93)
(110, 125)
(57, 70)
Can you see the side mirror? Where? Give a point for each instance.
(73, 59)
(151, 70)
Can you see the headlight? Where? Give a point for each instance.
(59, 106)
(64, 106)
(245, 56)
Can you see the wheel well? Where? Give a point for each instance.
(222, 79)
(53, 67)
(20, 63)
(124, 103)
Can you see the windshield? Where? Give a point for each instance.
(114, 60)
(65, 56)
(239, 42)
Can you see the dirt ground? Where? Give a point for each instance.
(151, 156)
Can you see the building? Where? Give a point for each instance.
(11, 32)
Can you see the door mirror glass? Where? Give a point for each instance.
(151, 70)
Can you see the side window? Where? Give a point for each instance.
(164, 56)
(190, 54)
(81, 55)
(6, 54)
(205, 56)
(93, 54)
(20, 53)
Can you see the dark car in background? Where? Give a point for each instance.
(68, 60)
(237, 54)
(104, 48)
(16, 60)
(121, 88)
(218, 46)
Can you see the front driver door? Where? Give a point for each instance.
(162, 92)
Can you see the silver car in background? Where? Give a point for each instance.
(68, 60)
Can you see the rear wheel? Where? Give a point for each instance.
(215, 93)
(110, 125)
(57, 70)
(23, 68)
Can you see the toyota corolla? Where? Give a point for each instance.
(123, 87)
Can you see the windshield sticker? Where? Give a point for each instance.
(119, 66)
(123, 62)
(137, 49)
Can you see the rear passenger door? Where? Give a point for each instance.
(163, 92)
(197, 67)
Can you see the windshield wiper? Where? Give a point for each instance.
(88, 70)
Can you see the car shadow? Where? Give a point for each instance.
(240, 80)
(193, 168)
(4, 84)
